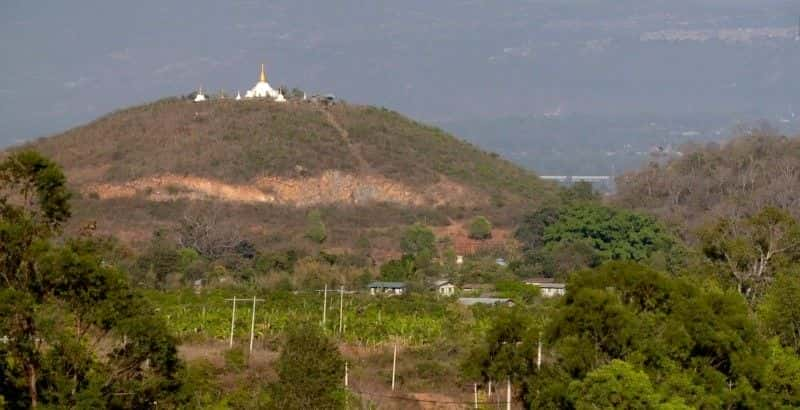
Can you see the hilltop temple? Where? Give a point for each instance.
(262, 89)
(199, 97)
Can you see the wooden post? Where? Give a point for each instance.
(508, 395)
(203, 321)
(539, 354)
(252, 324)
(475, 391)
(394, 364)
(346, 393)
(233, 320)
(341, 309)
(489, 390)
(324, 305)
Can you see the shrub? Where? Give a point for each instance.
(311, 371)
(315, 227)
(480, 228)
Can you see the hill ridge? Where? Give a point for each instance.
(143, 168)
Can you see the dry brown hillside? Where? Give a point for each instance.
(739, 177)
(263, 165)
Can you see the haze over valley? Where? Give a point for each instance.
(525, 79)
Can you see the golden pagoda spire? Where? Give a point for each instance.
(263, 77)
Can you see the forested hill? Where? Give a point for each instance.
(738, 178)
(265, 165)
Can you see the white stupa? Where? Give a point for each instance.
(238, 96)
(262, 89)
(200, 96)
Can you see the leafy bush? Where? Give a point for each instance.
(315, 227)
(311, 371)
(480, 228)
(417, 240)
(402, 269)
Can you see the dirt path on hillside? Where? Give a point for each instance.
(355, 150)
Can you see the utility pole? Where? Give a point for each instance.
(394, 364)
(233, 319)
(539, 355)
(341, 309)
(346, 393)
(203, 321)
(324, 305)
(253, 322)
(508, 394)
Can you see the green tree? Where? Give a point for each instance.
(780, 310)
(315, 227)
(781, 378)
(617, 385)
(419, 241)
(59, 302)
(750, 249)
(160, 259)
(614, 234)
(568, 257)
(508, 349)
(531, 231)
(311, 371)
(700, 347)
(480, 228)
(581, 191)
(517, 291)
(402, 269)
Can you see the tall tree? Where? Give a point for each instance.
(615, 234)
(311, 371)
(617, 385)
(60, 302)
(779, 311)
(749, 249)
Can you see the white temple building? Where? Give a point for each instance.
(200, 96)
(262, 89)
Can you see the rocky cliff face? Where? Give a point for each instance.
(331, 188)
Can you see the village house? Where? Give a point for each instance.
(444, 287)
(486, 301)
(548, 287)
(387, 288)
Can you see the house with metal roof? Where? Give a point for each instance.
(387, 288)
(548, 287)
(444, 287)
(486, 301)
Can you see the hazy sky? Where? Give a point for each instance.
(67, 62)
